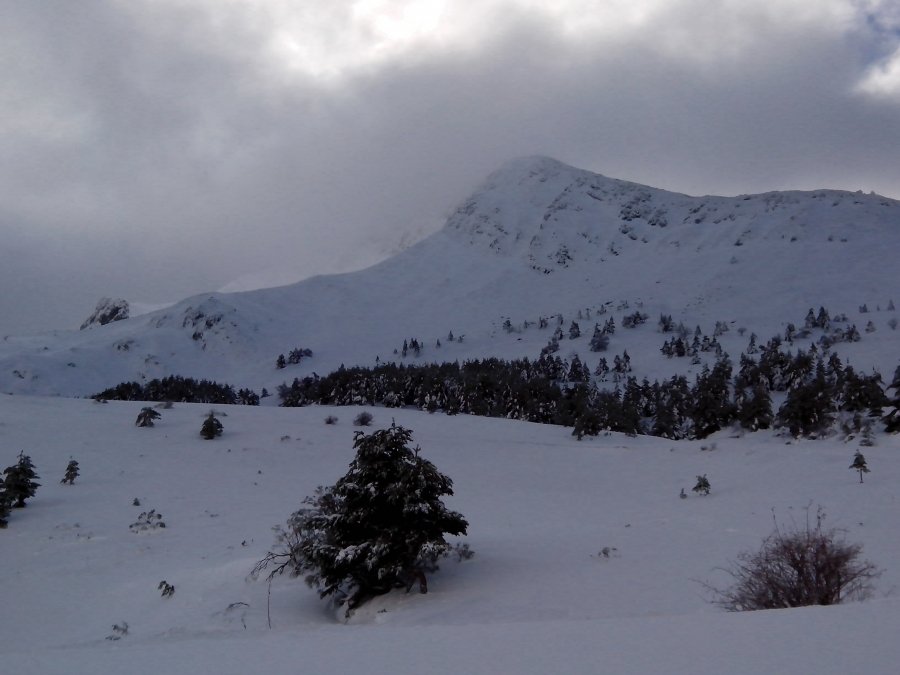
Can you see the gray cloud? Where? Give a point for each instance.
(154, 150)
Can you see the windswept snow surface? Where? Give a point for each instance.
(540, 596)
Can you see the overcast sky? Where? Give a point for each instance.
(153, 149)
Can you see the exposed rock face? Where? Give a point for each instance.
(107, 311)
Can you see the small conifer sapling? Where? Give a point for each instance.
(21, 481)
(146, 416)
(859, 463)
(702, 487)
(5, 505)
(71, 472)
(211, 428)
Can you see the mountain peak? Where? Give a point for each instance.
(553, 215)
(531, 164)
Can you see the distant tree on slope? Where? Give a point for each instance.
(211, 427)
(71, 473)
(859, 463)
(5, 504)
(146, 417)
(892, 418)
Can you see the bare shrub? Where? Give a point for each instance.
(364, 419)
(809, 566)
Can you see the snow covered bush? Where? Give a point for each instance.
(811, 566)
(702, 486)
(211, 427)
(381, 526)
(147, 521)
(364, 419)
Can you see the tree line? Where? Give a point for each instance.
(816, 390)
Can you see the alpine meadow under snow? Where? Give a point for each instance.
(589, 555)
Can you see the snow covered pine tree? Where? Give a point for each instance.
(21, 481)
(379, 527)
(211, 427)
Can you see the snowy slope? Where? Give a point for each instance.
(539, 596)
(539, 238)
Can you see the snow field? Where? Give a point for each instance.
(539, 596)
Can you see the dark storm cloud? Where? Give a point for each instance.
(153, 150)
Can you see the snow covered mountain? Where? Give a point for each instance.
(539, 238)
(589, 555)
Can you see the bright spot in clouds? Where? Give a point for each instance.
(328, 39)
(883, 78)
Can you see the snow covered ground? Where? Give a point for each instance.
(540, 595)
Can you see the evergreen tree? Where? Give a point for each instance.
(20, 483)
(5, 505)
(751, 346)
(861, 392)
(247, 397)
(146, 417)
(808, 408)
(672, 409)
(702, 487)
(602, 370)
(588, 423)
(574, 331)
(810, 321)
(71, 472)
(712, 409)
(380, 527)
(859, 463)
(665, 424)
(789, 332)
(599, 341)
(280, 362)
(577, 371)
(754, 412)
(211, 428)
